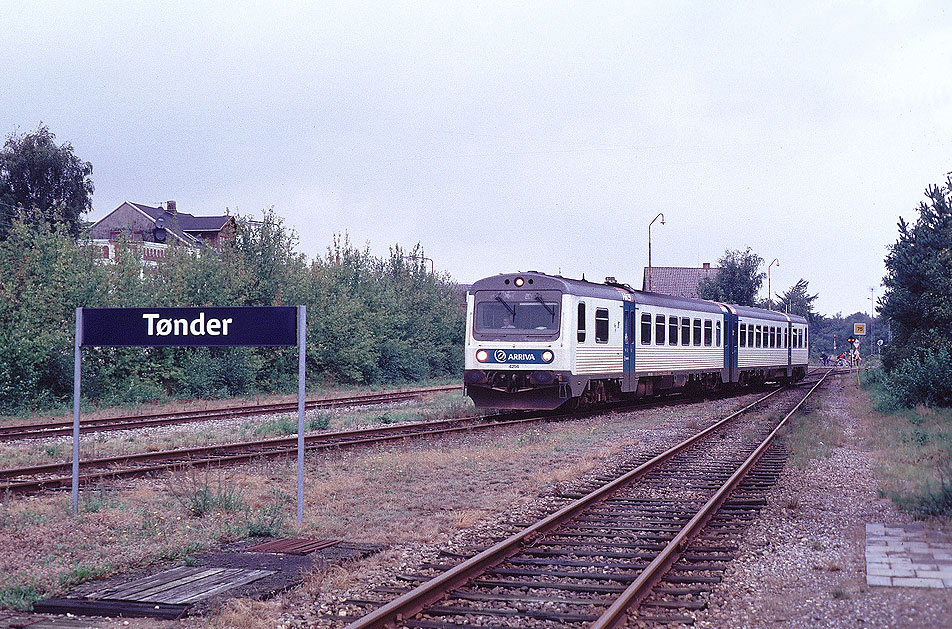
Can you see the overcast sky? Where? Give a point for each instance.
(510, 136)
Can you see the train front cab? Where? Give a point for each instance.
(515, 343)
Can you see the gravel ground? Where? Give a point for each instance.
(802, 563)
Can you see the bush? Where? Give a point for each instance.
(923, 379)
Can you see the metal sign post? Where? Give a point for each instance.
(301, 315)
(274, 326)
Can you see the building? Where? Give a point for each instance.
(155, 229)
(678, 281)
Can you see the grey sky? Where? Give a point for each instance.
(511, 136)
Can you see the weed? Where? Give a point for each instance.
(934, 498)
(54, 450)
(81, 574)
(840, 594)
(99, 499)
(200, 497)
(268, 521)
(20, 597)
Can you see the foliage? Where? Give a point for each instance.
(737, 281)
(798, 300)
(918, 301)
(369, 319)
(43, 182)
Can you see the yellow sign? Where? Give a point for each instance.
(859, 329)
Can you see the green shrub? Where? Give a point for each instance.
(923, 379)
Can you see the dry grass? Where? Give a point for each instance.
(420, 491)
(105, 444)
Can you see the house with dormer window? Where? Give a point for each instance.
(155, 229)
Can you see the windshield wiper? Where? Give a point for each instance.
(549, 309)
(511, 310)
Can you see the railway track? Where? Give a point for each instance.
(132, 422)
(635, 538)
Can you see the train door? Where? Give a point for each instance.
(731, 370)
(629, 347)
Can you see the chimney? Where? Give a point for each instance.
(706, 265)
(170, 207)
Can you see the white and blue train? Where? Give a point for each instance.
(536, 341)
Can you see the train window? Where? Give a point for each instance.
(685, 331)
(742, 335)
(517, 313)
(717, 333)
(672, 330)
(601, 325)
(581, 322)
(697, 331)
(659, 330)
(646, 329)
(708, 332)
(773, 336)
(758, 337)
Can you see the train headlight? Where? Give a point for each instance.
(547, 356)
(519, 282)
(482, 356)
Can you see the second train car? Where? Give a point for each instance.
(537, 341)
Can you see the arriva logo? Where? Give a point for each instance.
(500, 355)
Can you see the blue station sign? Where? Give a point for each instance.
(189, 327)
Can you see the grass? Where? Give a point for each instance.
(812, 434)
(914, 446)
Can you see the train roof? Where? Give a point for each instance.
(612, 290)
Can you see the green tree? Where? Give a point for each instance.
(737, 281)
(44, 277)
(918, 296)
(43, 182)
(798, 300)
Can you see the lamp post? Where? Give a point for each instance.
(769, 293)
(424, 258)
(661, 216)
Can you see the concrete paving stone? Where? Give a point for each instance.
(916, 582)
(894, 531)
(942, 555)
(875, 528)
(877, 580)
(891, 572)
(932, 574)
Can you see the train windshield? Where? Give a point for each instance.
(517, 312)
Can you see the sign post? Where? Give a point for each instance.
(273, 326)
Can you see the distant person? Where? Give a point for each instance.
(824, 358)
(507, 323)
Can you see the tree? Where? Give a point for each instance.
(918, 296)
(798, 300)
(43, 182)
(737, 281)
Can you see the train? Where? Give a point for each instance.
(540, 342)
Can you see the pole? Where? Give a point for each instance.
(769, 290)
(661, 215)
(301, 316)
(77, 377)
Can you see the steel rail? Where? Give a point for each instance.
(646, 580)
(435, 589)
(241, 452)
(50, 429)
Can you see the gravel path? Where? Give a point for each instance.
(802, 564)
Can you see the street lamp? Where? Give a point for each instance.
(777, 262)
(424, 258)
(661, 216)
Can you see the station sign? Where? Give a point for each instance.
(273, 326)
(859, 329)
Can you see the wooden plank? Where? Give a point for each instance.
(196, 587)
(141, 591)
(144, 581)
(248, 577)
